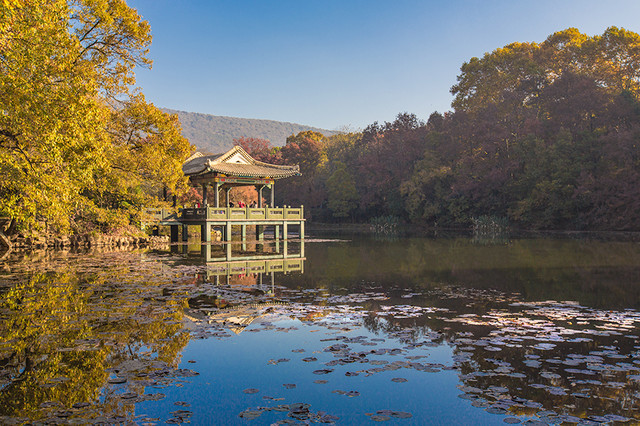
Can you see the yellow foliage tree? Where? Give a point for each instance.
(66, 68)
(518, 72)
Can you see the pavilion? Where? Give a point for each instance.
(231, 169)
(224, 172)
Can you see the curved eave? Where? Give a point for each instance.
(254, 171)
(204, 167)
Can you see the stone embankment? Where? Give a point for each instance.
(75, 241)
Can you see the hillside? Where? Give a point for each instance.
(214, 133)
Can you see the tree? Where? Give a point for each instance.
(46, 130)
(65, 69)
(488, 80)
(386, 157)
(341, 191)
(612, 60)
(425, 192)
(341, 147)
(260, 149)
(145, 156)
(305, 149)
(537, 126)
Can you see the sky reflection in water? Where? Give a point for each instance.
(404, 332)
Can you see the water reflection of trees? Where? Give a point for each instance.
(583, 363)
(595, 273)
(73, 341)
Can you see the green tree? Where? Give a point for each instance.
(341, 190)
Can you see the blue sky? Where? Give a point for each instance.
(335, 63)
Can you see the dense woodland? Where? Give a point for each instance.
(542, 136)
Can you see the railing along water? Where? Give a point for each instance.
(225, 213)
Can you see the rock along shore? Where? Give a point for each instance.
(76, 241)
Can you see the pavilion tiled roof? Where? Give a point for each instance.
(236, 162)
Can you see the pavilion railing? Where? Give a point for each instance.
(193, 214)
(156, 215)
(233, 213)
(252, 266)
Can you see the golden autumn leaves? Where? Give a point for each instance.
(78, 146)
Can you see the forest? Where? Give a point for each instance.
(542, 136)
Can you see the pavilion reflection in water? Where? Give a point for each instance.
(239, 317)
(245, 275)
(227, 260)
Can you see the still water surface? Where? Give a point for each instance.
(349, 330)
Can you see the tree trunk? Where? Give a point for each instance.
(5, 244)
(6, 225)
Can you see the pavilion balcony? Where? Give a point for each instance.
(209, 213)
(221, 221)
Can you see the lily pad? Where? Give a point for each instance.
(250, 414)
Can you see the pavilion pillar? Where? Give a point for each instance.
(205, 232)
(260, 196)
(217, 187)
(174, 233)
(204, 195)
(228, 241)
(228, 191)
(273, 187)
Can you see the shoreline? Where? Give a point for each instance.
(437, 232)
(22, 243)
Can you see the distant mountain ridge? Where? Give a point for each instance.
(215, 133)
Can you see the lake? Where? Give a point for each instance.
(345, 329)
